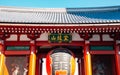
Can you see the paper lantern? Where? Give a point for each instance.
(60, 61)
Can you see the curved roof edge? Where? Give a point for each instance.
(60, 15)
(24, 9)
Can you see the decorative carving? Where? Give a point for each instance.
(115, 36)
(33, 36)
(4, 36)
(86, 36)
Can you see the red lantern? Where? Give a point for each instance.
(60, 61)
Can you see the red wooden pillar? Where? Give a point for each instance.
(32, 60)
(82, 63)
(87, 59)
(79, 66)
(37, 68)
(2, 58)
(117, 56)
(40, 66)
(3, 68)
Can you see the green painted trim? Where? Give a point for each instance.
(101, 47)
(18, 48)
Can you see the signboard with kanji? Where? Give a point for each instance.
(60, 38)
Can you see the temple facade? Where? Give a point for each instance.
(27, 35)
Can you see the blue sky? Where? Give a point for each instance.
(59, 3)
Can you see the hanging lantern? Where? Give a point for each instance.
(60, 61)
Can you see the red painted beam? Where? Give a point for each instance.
(46, 43)
(102, 52)
(102, 43)
(17, 52)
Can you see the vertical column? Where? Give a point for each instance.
(40, 67)
(32, 60)
(2, 58)
(37, 68)
(87, 59)
(82, 64)
(117, 56)
(79, 66)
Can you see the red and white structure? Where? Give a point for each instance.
(95, 40)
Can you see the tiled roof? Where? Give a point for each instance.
(60, 15)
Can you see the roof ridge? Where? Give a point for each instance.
(116, 6)
(17, 9)
(23, 9)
